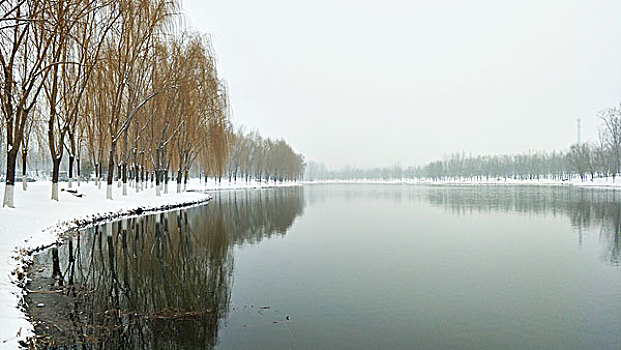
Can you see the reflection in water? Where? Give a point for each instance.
(251, 216)
(587, 209)
(159, 281)
(164, 281)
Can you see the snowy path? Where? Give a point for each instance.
(36, 221)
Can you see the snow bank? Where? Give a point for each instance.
(213, 184)
(37, 221)
(576, 182)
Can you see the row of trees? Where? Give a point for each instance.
(599, 159)
(254, 157)
(121, 84)
(532, 165)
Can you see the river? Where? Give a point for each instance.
(343, 266)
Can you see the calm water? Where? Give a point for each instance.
(344, 267)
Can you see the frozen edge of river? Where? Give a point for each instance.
(26, 229)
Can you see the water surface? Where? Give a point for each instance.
(345, 266)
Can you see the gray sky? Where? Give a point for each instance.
(374, 83)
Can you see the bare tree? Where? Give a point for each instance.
(611, 135)
(25, 39)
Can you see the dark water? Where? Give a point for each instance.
(344, 267)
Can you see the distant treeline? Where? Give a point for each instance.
(584, 160)
(251, 156)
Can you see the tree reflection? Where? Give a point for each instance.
(159, 281)
(586, 208)
(251, 216)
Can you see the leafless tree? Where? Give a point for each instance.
(26, 36)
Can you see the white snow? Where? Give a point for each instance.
(213, 184)
(576, 182)
(36, 221)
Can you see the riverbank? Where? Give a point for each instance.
(36, 221)
(606, 182)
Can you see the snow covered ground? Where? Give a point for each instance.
(596, 183)
(212, 184)
(37, 221)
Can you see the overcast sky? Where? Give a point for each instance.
(374, 83)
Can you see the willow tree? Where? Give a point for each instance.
(90, 32)
(262, 159)
(93, 123)
(25, 39)
(83, 26)
(26, 146)
(139, 24)
(192, 59)
(204, 106)
(214, 158)
(158, 109)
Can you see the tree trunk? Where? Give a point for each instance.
(158, 172)
(110, 171)
(96, 174)
(24, 180)
(157, 183)
(179, 180)
(136, 169)
(142, 177)
(166, 178)
(138, 178)
(100, 174)
(55, 170)
(71, 160)
(124, 173)
(11, 157)
(77, 163)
